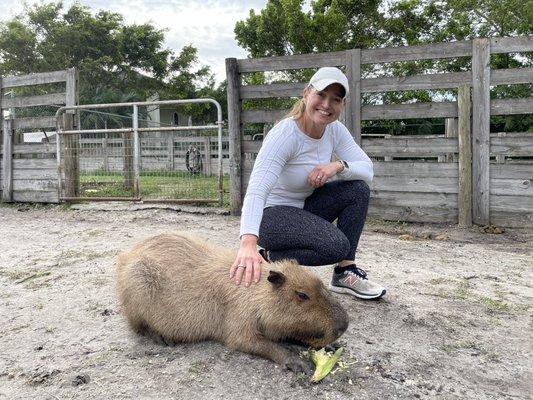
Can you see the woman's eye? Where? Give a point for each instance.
(302, 296)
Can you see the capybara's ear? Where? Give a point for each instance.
(276, 278)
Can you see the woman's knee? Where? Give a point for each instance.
(336, 249)
(358, 191)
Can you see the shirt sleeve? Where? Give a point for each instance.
(278, 147)
(360, 165)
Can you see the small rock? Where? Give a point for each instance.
(442, 236)
(406, 236)
(81, 379)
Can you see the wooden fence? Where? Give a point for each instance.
(29, 171)
(408, 185)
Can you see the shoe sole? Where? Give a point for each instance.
(338, 289)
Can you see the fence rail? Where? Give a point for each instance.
(463, 176)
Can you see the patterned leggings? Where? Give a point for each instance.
(308, 235)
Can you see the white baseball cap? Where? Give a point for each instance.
(326, 76)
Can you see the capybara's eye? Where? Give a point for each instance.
(302, 296)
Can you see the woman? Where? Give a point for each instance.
(295, 192)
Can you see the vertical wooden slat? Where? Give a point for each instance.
(480, 129)
(7, 161)
(353, 100)
(207, 164)
(104, 152)
(500, 158)
(170, 146)
(235, 135)
(450, 130)
(465, 158)
(70, 90)
(71, 150)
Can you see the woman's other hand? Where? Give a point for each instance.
(247, 265)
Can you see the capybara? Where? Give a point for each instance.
(177, 288)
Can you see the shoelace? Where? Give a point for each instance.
(354, 270)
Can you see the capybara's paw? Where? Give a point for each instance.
(296, 364)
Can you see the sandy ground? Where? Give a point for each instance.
(456, 323)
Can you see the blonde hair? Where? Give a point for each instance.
(297, 110)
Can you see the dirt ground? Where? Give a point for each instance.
(456, 322)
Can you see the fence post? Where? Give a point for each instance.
(464, 200)
(353, 100)
(480, 130)
(170, 146)
(136, 153)
(7, 160)
(71, 144)
(235, 135)
(450, 130)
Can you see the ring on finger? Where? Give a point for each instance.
(241, 266)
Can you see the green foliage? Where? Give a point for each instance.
(283, 28)
(111, 56)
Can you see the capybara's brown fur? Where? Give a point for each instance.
(178, 287)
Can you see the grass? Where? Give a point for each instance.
(154, 185)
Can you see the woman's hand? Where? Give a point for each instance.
(321, 173)
(248, 262)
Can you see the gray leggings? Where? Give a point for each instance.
(308, 235)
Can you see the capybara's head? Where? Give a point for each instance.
(300, 308)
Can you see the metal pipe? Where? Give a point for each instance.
(179, 201)
(136, 152)
(160, 129)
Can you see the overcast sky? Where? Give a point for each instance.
(206, 24)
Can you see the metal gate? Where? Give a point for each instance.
(139, 163)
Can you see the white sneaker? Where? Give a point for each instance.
(354, 281)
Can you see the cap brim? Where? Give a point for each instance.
(324, 83)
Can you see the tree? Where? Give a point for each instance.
(111, 56)
(282, 28)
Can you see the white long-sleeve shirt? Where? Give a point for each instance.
(286, 158)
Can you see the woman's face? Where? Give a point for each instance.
(323, 106)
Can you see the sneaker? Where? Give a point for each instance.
(264, 254)
(354, 281)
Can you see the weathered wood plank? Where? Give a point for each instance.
(271, 90)
(279, 63)
(421, 52)
(34, 163)
(416, 82)
(511, 76)
(409, 146)
(35, 184)
(511, 106)
(512, 146)
(512, 219)
(39, 174)
(414, 184)
(403, 111)
(70, 91)
(512, 187)
(413, 214)
(516, 171)
(7, 161)
(30, 101)
(34, 122)
(511, 44)
(414, 168)
(32, 196)
(258, 116)
(480, 130)
(408, 199)
(34, 148)
(34, 79)
(511, 203)
(235, 133)
(465, 158)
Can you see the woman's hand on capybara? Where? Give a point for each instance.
(247, 265)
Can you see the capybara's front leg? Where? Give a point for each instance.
(273, 351)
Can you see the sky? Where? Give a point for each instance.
(206, 24)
